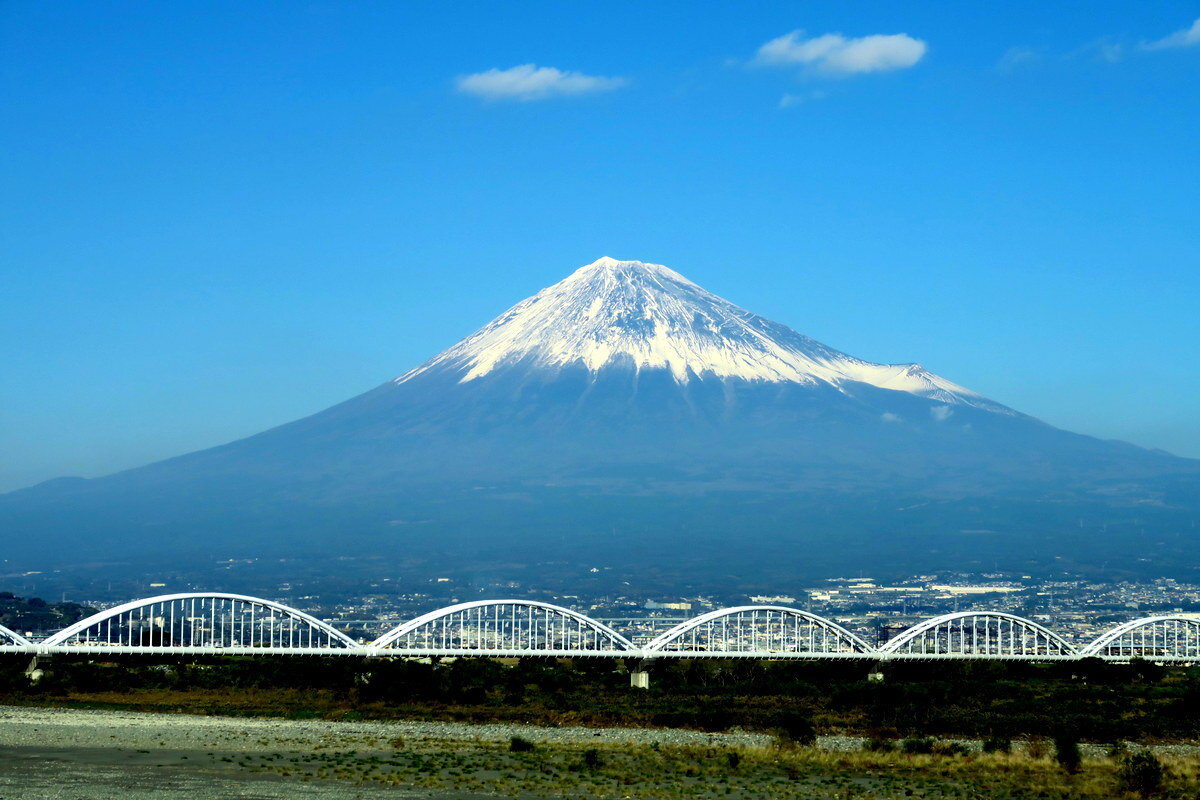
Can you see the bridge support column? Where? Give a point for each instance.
(34, 671)
(639, 675)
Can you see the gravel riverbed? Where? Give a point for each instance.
(75, 754)
(22, 726)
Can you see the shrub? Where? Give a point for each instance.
(518, 745)
(1140, 773)
(1066, 752)
(878, 745)
(950, 749)
(1036, 748)
(591, 758)
(917, 746)
(795, 727)
(733, 758)
(997, 744)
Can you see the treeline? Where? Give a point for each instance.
(34, 614)
(1093, 700)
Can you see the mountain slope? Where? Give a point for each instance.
(627, 409)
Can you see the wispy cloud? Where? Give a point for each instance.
(1112, 52)
(531, 82)
(1018, 58)
(796, 98)
(835, 54)
(1188, 37)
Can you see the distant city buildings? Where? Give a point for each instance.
(1076, 605)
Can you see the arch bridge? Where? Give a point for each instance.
(218, 623)
(212, 623)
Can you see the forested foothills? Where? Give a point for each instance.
(34, 613)
(1090, 700)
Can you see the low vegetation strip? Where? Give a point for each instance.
(1092, 701)
(462, 761)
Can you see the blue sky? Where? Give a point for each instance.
(218, 217)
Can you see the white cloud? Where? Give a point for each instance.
(941, 413)
(1184, 38)
(531, 82)
(834, 54)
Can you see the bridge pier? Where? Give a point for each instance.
(639, 676)
(34, 672)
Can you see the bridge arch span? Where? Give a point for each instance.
(758, 631)
(202, 622)
(11, 640)
(980, 634)
(503, 627)
(1162, 638)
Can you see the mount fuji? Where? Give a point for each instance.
(627, 416)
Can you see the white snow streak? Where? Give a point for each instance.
(652, 317)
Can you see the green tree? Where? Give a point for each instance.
(1066, 752)
(796, 728)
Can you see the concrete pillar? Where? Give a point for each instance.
(34, 671)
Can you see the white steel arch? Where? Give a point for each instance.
(503, 627)
(1163, 638)
(980, 634)
(758, 632)
(202, 622)
(11, 640)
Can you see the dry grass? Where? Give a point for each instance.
(675, 773)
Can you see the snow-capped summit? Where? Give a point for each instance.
(613, 312)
